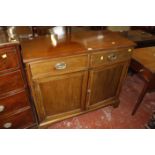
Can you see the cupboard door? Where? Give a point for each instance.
(105, 83)
(60, 95)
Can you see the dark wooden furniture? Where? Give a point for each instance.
(143, 62)
(140, 37)
(76, 72)
(15, 109)
(149, 29)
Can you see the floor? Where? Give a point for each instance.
(116, 118)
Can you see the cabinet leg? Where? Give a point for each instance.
(144, 90)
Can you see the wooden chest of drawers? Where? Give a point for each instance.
(15, 109)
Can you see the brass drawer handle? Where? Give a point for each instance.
(2, 108)
(60, 66)
(112, 57)
(7, 125)
(4, 56)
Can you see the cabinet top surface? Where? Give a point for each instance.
(71, 43)
(146, 57)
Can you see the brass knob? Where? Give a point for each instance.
(113, 43)
(4, 56)
(101, 58)
(7, 125)
(129, 50)
(2, 108)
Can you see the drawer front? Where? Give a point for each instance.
(12, 103)
(60, 65)
(20, 120)
(11, 81)
(8, 59)
(109, 57)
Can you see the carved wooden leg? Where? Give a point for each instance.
(145, 88)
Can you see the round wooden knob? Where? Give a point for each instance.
(113, 43)
(2, 108)
(7, 125)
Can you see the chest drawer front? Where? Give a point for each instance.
(60, 65)
(8, 59)
(12, 103)
(20, 120)
(109, 57)
(11, 81)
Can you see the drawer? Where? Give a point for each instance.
(60, 65)
(109, 57)
(11, 81)
(12, 103)
(20, 120)
(8, 59)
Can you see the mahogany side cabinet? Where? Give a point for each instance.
(75, 74)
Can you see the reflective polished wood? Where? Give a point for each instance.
(71, 44)
(76, 72)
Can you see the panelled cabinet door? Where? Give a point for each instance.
(61, 95)
(104, 83)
